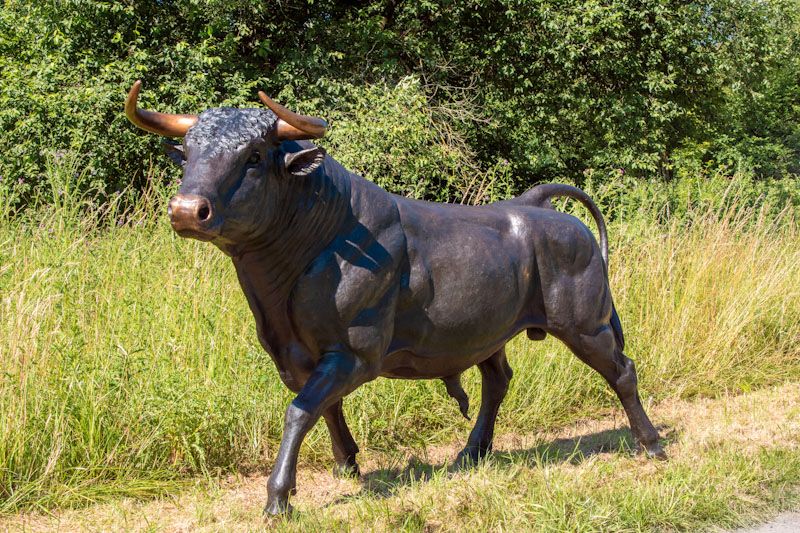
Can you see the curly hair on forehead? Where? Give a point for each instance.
(227, 128)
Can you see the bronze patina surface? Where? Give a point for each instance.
(348, 282)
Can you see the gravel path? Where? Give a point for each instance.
(783, 523)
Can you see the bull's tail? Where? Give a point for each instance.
(541, 195)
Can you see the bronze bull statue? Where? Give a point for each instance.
(348, 282)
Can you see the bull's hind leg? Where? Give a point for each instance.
(600, 351)
(495, 377)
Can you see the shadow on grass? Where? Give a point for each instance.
(383, 483)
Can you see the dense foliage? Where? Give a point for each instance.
(460, 100)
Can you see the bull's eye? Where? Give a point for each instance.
(254, 159)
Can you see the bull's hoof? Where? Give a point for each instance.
(654, 451)
(278, 507)
(346, 470)
(471, 456)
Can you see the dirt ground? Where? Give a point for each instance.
(767, 416)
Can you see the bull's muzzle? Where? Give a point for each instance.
(193, 216)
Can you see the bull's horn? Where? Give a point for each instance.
(294, 126)
(161, 123)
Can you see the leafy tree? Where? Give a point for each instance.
(507, 92)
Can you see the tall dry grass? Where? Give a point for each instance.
(714, 305)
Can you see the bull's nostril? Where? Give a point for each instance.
(203, 213)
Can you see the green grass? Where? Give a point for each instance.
(129, 362)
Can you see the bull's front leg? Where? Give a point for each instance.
(336, 375)
(344, 445)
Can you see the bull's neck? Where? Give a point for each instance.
(309, 213)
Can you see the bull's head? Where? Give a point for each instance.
(231, 158)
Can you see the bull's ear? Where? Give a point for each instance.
(174, 151)
(304, 162)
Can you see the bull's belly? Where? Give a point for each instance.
(445, 353)
(407, 365)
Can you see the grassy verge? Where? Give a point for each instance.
(733, 461)
(129, 364)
